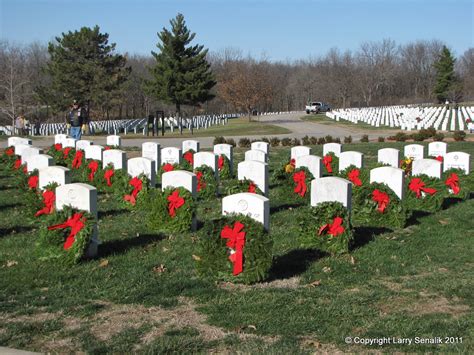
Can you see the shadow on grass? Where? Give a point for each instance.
(293, 263)
(10, 205)
(450, 201)
(415, 216)
(5, 188)
(364, 235)
(14, 230)
(285, 206)
(111, 213)
(121, 246)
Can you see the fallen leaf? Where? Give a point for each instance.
(197, 258)
(252, 327)
(428, 257)
(443, 222)
(104, 263)
(159, 269)
(353, 260)
(326, 269)
(315, 283)
(313, 343)
(165, 249)
(11, 263)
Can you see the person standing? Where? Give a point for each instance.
(76, 118)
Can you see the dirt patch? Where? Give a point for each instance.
(311, 343)
(290, 283)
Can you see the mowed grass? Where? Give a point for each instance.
(142, 293)
(360, 126)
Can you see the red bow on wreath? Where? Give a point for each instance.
(58, 147)
(327, 160)
(168, 167)
(300, 179)
(76, 223)
(252, 188)
(137, 187)
(175, 202)
(48, 200)
(25, 169)
(417, 186)
(33, 182)
(236, 241)
(353, 177)
(108, 175)
(293, 162)
(381, 198)
(9, 152)
(17, 164)
(77, 161)
(66, 152)
(93, 166)
(439, 158)
(220, 162)
(200, 183)
(188, 156)
(453, 183)
(107, 147)
(333, 229)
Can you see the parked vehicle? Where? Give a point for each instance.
(316, 107)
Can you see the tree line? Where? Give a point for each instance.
(185, 79)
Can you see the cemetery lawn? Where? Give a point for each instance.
(142, 292)
(360, 126)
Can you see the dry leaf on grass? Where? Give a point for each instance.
(159, 269)
(104, 263)
(326, 269)
(197, 258)
(443, 222)
(11, 263)
(315, 283)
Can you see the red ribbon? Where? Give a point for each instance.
(417, 186)
(220, 162)
(188, 156)
(175, 202)
(9, 152)
(17, 164)
(252, 187)
(334, 229)
(48, 200)
(33, 182)
(200, 183)
(107, 147)
(439, 158)
(300, 179)
(25, 169)
(137, 187)
(66, 152)
(58, 147)
(353, 176)
(453, 183)
(236, 241)
(327, 160)
(76, 223)
(168, 167)
(93, 166)
(293, 162)
(381, 198)
(108, 175)
(77, 161)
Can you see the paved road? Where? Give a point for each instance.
(290, 121)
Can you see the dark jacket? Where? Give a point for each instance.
(77, 117)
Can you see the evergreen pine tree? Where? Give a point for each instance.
(447, 82)
(181, 75)
(83, 66)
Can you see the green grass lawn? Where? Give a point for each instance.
(142, 293)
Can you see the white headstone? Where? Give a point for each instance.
(20, 147)
(28, 152)
(300, 151)
(54, 174)
(94, 152)
(146, 166)
(227, 150)
(436, 149)
(264, 146)
(389, 156)
(205, 158)
(331, 189)
(255, 171)
(116, 157)
(12, 141)
(190, 144)
(414, 151)
(180, 178)
(457, 160)
(252, 205)
(430, 167)
(332, 147)
(350, 158)
(312, 162)
(114, 141)
(170, 155)
(59, 138)
(151, 150)
(82, 144)
(257, 155)
(394, 178)
(38, 162)
(69, 142)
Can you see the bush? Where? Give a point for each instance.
(274, 141)
(286, 142)
(438, 137)
(231, 142)
(306, 140)
(400, 137)
(328, 139)
(418, 137)
(219, 140)
(459, 136)
(431, 132)
(295, 142)
(348, 139)
(337, 140)
(244, 143)
(313, 140)
(364, 138)
(265, 139)
(321, 141)
(425, 133)
(381, 139)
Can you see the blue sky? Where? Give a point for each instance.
(292, 29)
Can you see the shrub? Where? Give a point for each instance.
(286, 142)
(364, 138)
(219, 140)
(337, 140)
(438, 137)
(381, 139)
(231, 141)
(400, 137)
(459, 136)
(274, 141)
(265, 139)
(306, 140)
(431, 132)
(244, 143)
(348, 139)
(313, 140)
(321, 140)
(328, 139)
(425, 133)
(418, 137)
(295, 142)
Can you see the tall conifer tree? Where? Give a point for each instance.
(447, 82)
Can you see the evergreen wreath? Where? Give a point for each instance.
(65, 235)
(164, 168)
(456, 184)
(110, 180)
(225, 170)
(388, 211)
(358, 176)
(56, 152)
(206, 182)
(170, 211)
(89, 172)
(134, 195)
(187, 160)
(44, 203)
(8, 157)
(69, 154)
(220, 244)
(326, 227)
(424, 193)
(237, 186)
(297, 186)
(283, 173)
(330, 164)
